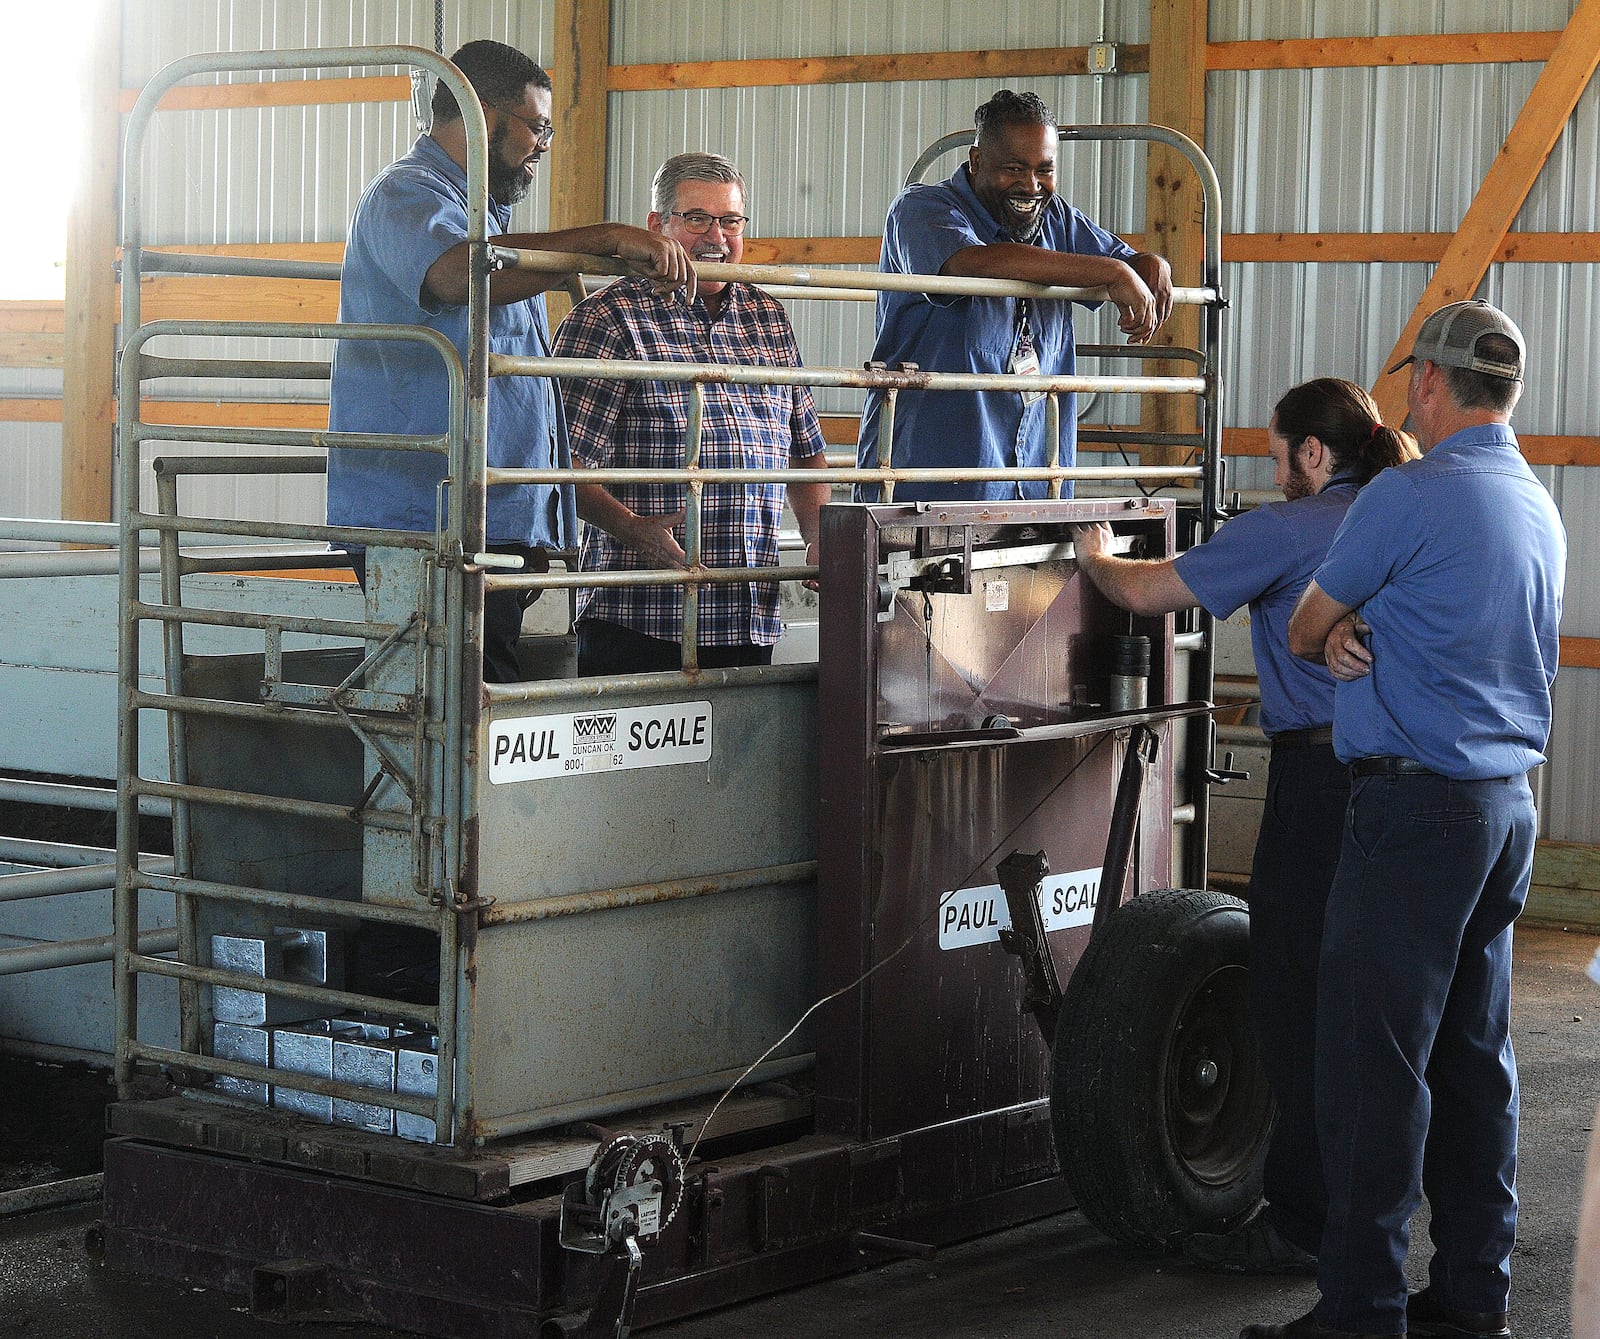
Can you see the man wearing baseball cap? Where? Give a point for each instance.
(1437, 611)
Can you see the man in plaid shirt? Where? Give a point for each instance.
(697, 199)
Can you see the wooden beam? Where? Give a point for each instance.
(1537, 449)
(90, 312)
(175, 297)
(1028, 63)
(189, 413)
(23, 409)
(1565, 889)
(1547, 450)
(1483, 229)
(32, 316)
(1542, 248)
(1580, 652)
(578, 164)
(324, 251)
(1286, 248)
(812, 250)
(32, 350)
(1173, 198)
(1310, 53)
(837, 429)
(1294, 54)
(278, 93)
(230, 414)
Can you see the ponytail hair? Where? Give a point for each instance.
(1345, 419)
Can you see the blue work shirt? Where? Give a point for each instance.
(1457, 561)
(940, 333)
(413, 212)
(1265, 558)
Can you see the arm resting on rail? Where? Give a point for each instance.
(1142, 308)
(650, 254)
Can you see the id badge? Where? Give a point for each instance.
(1025, 363)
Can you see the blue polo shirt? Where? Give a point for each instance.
(937, 429)
(1457, 561)
(1265, 558)
(413, 212)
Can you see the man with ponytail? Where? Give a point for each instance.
(1326, 441)
(1437, 610)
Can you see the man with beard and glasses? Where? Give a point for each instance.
(699, 200)
(406, 264)
(1327, 442)
(998, 217)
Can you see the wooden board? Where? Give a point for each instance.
(88, 425)
(1174, 202)
(1566, 883)
(269, 1135)
(1311, 53)
(1026, 63)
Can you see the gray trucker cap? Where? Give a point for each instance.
(1450, 338)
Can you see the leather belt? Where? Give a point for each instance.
(1303, 739)
(1384, 765)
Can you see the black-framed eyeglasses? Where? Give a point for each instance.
(543, 131)
(698, 221)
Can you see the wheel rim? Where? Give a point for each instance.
(1217, 1105)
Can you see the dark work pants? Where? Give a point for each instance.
(610, 648)
(1416, 1080)
(502, 612)
(1297, 852)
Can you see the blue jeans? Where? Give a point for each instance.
(1416, 1080)
(1297, 852)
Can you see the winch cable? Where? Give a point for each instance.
(883, 962)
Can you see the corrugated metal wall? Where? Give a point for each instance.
(1365, 150)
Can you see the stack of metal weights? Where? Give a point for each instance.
(283, 1034)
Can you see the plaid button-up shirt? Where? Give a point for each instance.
(644, 424)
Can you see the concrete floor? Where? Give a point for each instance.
(1057, 1278)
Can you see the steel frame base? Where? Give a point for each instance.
(307, 1246)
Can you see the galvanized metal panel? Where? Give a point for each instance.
(555, 1001)
(58, 674)
(30, 472)
(645, 33)
(71, 1006)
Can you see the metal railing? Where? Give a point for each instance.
(420, 738)
(436, 726)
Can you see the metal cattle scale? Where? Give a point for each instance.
(706, 983)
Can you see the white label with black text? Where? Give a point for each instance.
(971, 916)
(583, 742)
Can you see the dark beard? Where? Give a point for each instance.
(1298, 486)
(1026, 234)
(506, 184)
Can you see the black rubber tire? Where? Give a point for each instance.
(1160, 1110)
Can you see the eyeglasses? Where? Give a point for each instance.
(698, 221)
(543, 131)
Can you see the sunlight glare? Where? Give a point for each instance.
(47, 45)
